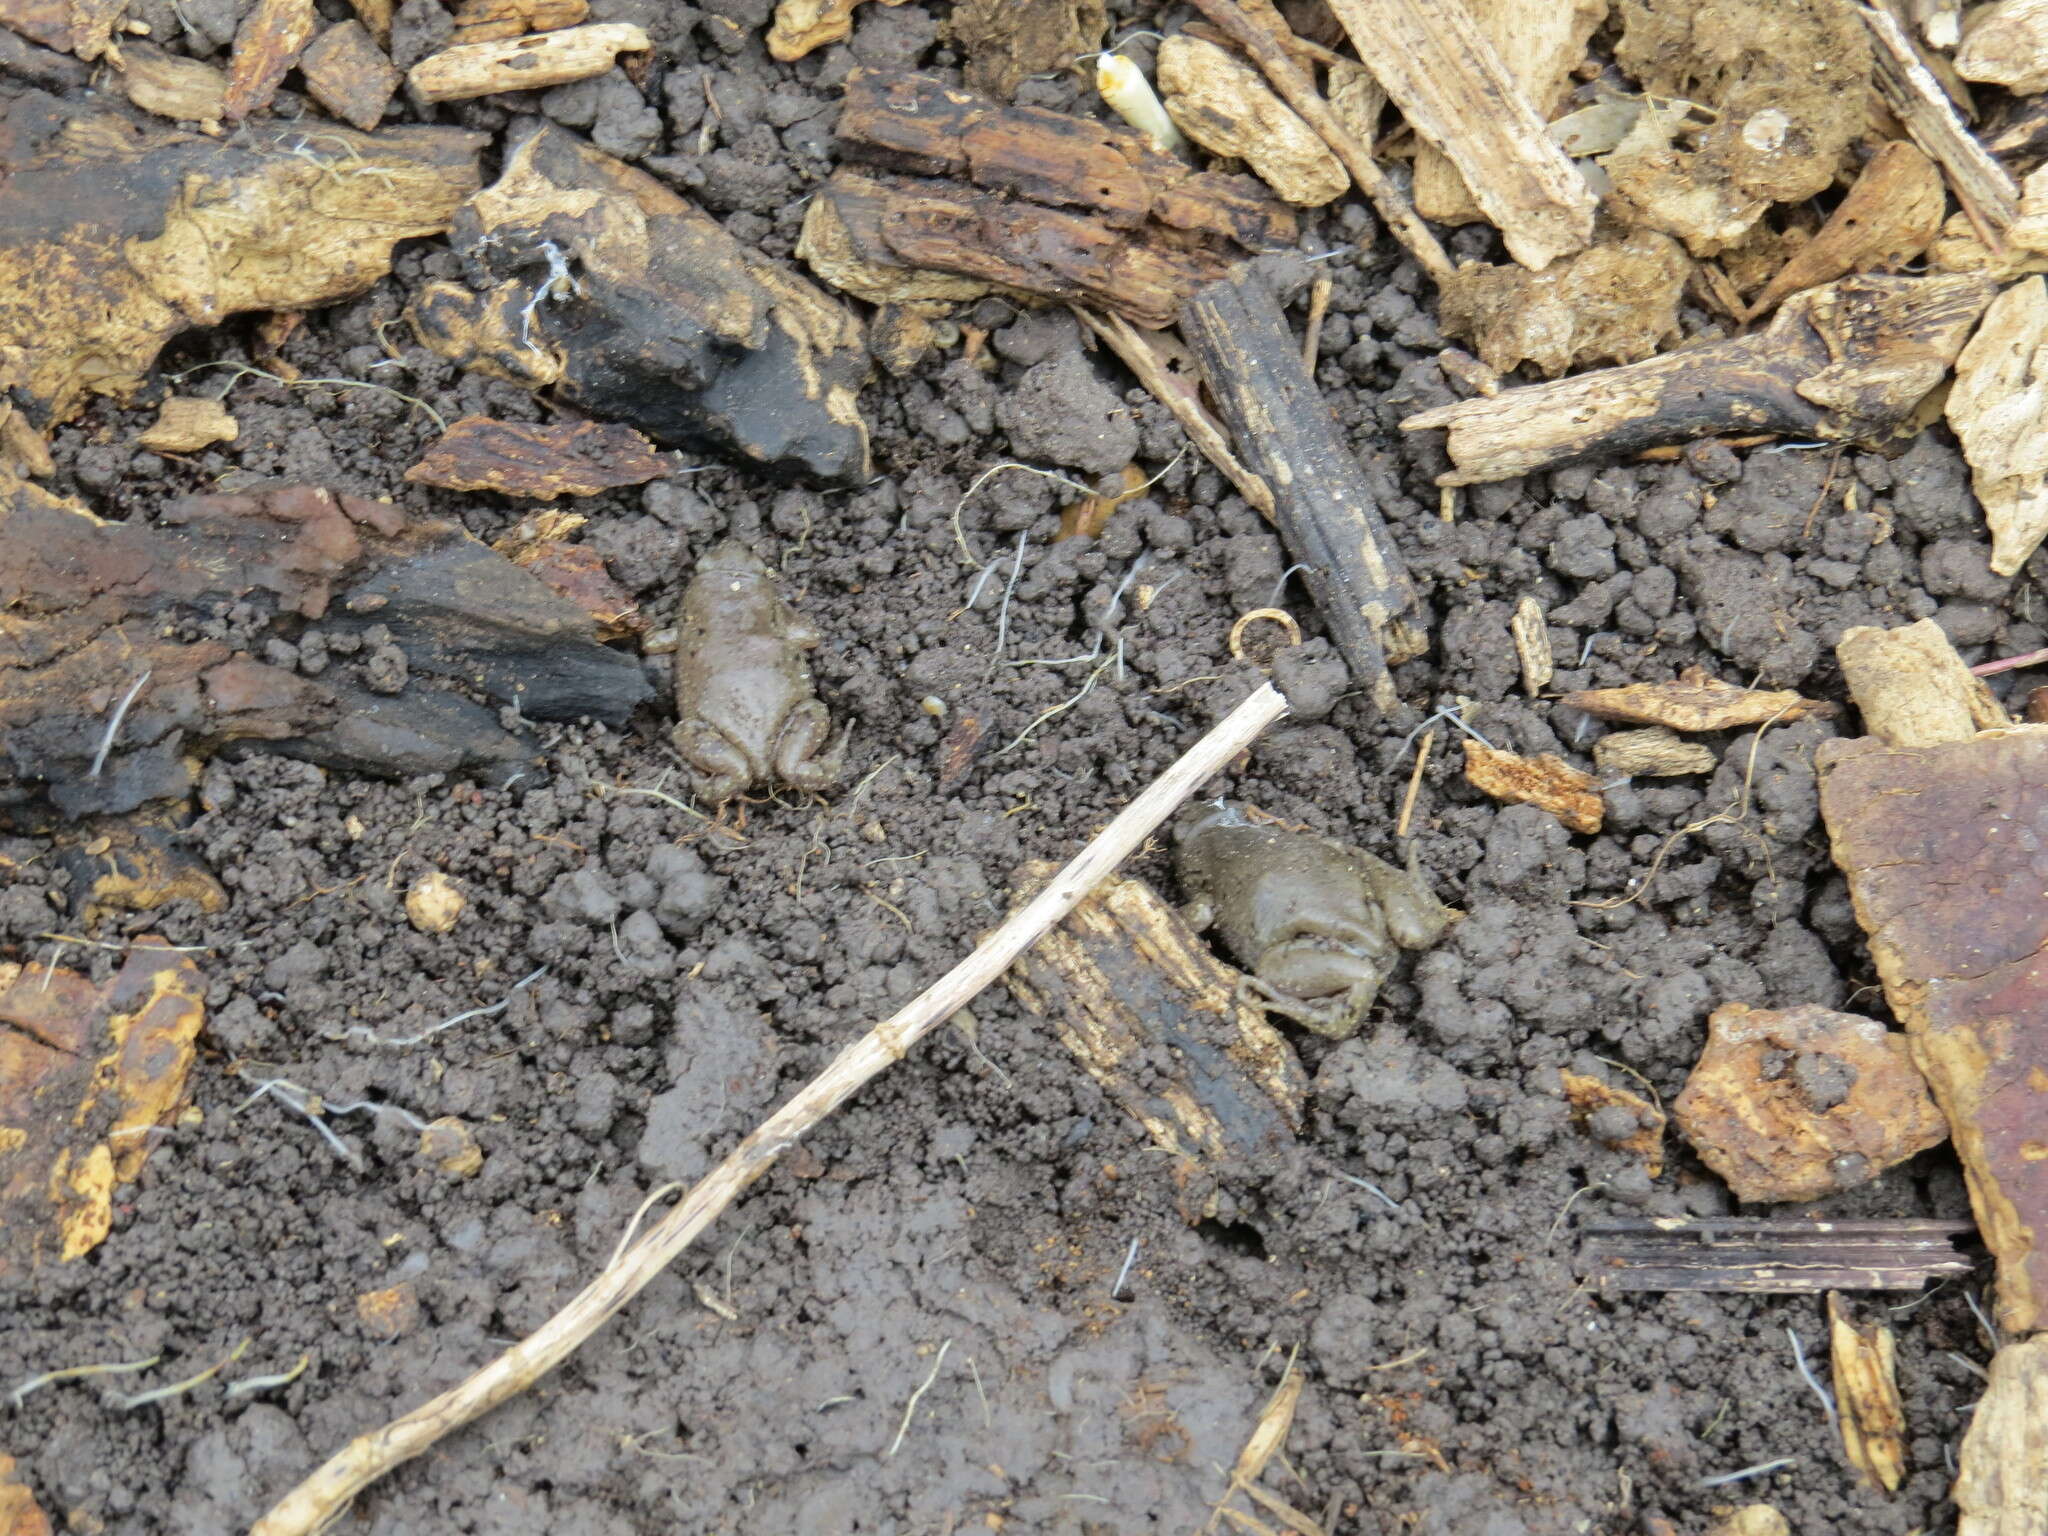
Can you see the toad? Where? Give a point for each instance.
(746, 713)
(1317, 923)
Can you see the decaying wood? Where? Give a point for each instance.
(1225, 105)
(1984, 187)
(1159, 1022)
(171, 85)
(317, 1500)
(2007, 45)
(349, 75)
(1998, 409)
(526, 63)
(1923, 809)
(1888, 218)
(118, 233)
(1652, 753)
(1846, 362)
(187, 423)
(490, 21)
(1540, 42)
(578, 572)
(1867, 1393)
(1256, 27)
(1451, 86)
(1802, 1103)
(1695, 702)
(595, 280)
(1326, 511)
(133, 864)
(107, 707)
(536, 460)
(87, 1075)
(1589, 1095)
(1781, 1256)
(803, 25)
(1614, 302)
(1088, 212)
(1005, 42)
(2002, 1483)
(267, 44)
(1547, 782)
(1530, 631)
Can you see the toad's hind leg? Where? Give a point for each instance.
(718, 769)
(802, 760)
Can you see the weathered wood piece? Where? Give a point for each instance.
(1160, 1023)
(2002, 1483)
(117, 233)
(490, 21)
(1323, 505)
(87, 1075)
(1225, 105)
(1802, 1103)
(349, 75)
(1846, 362)
(133, 864)
(1653, 752)
(1911, 687)
(105, 706)
(1888, 218)
(1547, 782)
(538, 460)
(1006, 42)
(171, 85)
(1935, 824)
(1777, 1256)
(2007, 45)
(528, 63)
(1695, 701)
(187, 423)
(592, 278)
(1998, 409)
(1453, 89)
(1613, 302)
(267, 44)
(1986, 188)
(1867, 1392)
(803, 25)
(1086, 212)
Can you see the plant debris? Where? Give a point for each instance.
(1998, 408)
(1653, 753)
(1866, 1381)
(1695, 702)
(1597, 1106)
(187, 423)
(527, 62)
(2002, 1486)
(1614, 302)
(1005, 43)
(520, 458)
(1225, 105)
(1770, 1255)
(1547, 782)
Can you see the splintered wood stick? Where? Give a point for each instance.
(369, 1456)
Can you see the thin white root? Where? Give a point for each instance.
(323, 1495)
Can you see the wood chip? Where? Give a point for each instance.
(1588, 1095)
(519, 458)
(349, 75)
(1867, 1393)
(1695, 702)
(1615, 302)
(1454, 91)
(1530, 631)
(1225, 106)
(804, 25)
(1547, 782)
(267, 45)
(1770, 1255)
(961, 747)
(1006, 42)
(1998, 409)
(1888, 218)
(492, 21)
(529, 63)
(578, 573)
(1651, 753)
(171, 85)
(187, 423)
(1911, 687)
(2002, 1486)
(1985, 187)
(376, 15)
(2007, 44)
(1802, 1103)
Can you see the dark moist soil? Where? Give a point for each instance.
(983, 1196)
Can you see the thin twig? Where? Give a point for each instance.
(1414, 784)
(320, 1497)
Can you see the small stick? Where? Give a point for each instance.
(1257, 28)
(1990, 668)
(1312, 334)
(323, 1495)
(1414, 784)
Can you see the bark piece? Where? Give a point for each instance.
(2002, 1484)
(2007, 44)
(1589, 1095)
(491, 21)
(1847, 362)
(1906, 86)
(1327, 512)
(1936, 843)
(1787, 85)
(1695, 702)
(541, 461)
(349, 75)
(1615, 302)
(528, 63)
(1530, 631)
(91, 613)
(1867, 1392)
(1451, 86)
(1770, 1255)
(1998, 409)
(1888, 218)
(87, 1074)
(804, 25)
(116, 234)
(1801, 1103)
(592, 278)
(1651, 753)
(578, 573)
(267, 44)
(187, 423)
(1547, 782)
(1225, 106)
(1005, 42)
(171, 85)
(133, 864)
(1912, 688)
(1540, 42)
(1158, 1021)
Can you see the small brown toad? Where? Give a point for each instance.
(1316, 922)
(746, 712)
